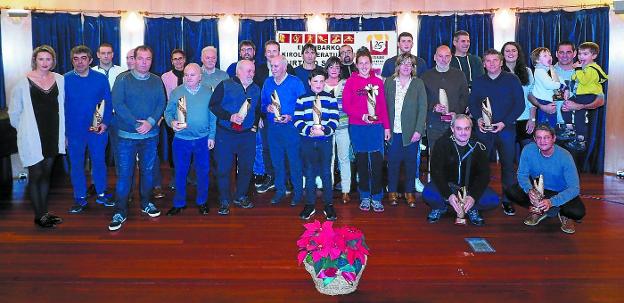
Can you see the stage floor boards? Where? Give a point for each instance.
(250, 255)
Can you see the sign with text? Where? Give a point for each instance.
(381, 44)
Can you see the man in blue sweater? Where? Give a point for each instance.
(560, 182)
(139, 102)
(84, 91)
(507, 103)
(236, 133)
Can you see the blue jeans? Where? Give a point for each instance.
(284, 143)
(397, 154)
(543, 117)
(580, 126)
(76, 147)
(228, 146)
(317, 161)
(505, 144)
(266, 151)
(434, 199)
(183, 152)
(127, 150)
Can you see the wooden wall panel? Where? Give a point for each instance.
(614, 145)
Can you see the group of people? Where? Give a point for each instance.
(291, 124)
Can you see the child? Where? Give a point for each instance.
(544, 84)
(317, 141)
(589, 78)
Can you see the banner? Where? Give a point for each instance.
(381, 44)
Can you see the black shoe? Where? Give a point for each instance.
(175, 210)
(475, 218)
(224, 210)
(307, 212)
(294, 202)
(46, 221)
(289, 187)
(244, 202)
(91, 191)
(55, 219)
(266, 185)
(258, 180)
(203, 209)
(277, 198)
(508, 209)
(330, 212)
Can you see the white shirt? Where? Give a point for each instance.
(399, 96)
(111, 74)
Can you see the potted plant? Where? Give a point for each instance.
(334, 257)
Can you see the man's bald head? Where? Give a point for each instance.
(245, 71)
(443, 56)
(192, 75)
(278, 66)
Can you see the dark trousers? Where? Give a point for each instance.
(573, 209)
(183, 152)
(266, 153)
(317, 161)
(127, 150)
(370, 170)
(39, 185)
(580, 126)
(76, 147)
(397, 154)
(545, 118)
(504, 142)
(230, 145)
(434, 199)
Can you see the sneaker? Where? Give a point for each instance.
(158, 192)
(267, 185)
(508, 209)
(378, 207)
(91, 191)
(244, 202)
(566, 135)
(105, 199)
(277, 198)
(224, 210)
(307, 212)
(576, 145)
(534, 218)
(435, 215)
(475, 217)
(567, 224)
(116, 222)
(365, 204)
(79, 205)
(330, 212)
(151, 210)
(419, 186)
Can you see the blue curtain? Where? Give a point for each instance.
(547, 29)
(434, 31)
(101, 29)
(291, 24)
(62, 31)
(197, 35)
(163, 35)
(344, 25)
(379, 24)
(258, 32)
(2, 93)
(481, 31)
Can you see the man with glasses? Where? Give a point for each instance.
(346, 62)
(246, 51)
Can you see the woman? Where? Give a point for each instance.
(334, 85)
(367, 128)
(525, 124)
(37, 113)
(407, 112)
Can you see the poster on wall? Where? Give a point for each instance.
(381, 44)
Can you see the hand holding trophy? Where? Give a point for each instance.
(461, 212)
(275, 101)
(538, 186)
(181, 113)
(242, 114)
(98, 116)
(372, 91)
(486, 113)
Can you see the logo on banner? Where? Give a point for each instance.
(378, 44)
(322, 38)
(336, 39)
(284, 38)
(297, 38)
(310, 38)
(348, 38)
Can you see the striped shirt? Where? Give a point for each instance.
(304, 114)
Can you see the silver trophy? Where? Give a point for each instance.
(538, 185)
(316, 113)
(461, 200)
(275, 101)
(486, 113)
(443, 98)
(98, 116)
(181, 112)
(372, 91)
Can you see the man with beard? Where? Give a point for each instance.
(246, 51)
(347, 66)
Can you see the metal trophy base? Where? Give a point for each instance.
(460, 221)
(279, 119)
(182, 124)
(373, 117)
(488, 128)
(446, 118)
(535, 210)
(94, 128)
(317, 127)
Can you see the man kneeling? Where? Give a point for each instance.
(559, 190)
(459, 162)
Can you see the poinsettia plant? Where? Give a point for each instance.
(332, 251)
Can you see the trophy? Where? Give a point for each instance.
(98, 116)
(461, 198)
(444, 101)
(244, 109)
(275, 101)
(486, 113)
(181, 112)
(557, 93)
(372, 92)
(538, 185)
(316, 114)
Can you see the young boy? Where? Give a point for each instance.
(544, 84)
(316, 122)
(589, 78)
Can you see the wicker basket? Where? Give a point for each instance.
(338, 286)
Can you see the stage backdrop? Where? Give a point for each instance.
(382, 45)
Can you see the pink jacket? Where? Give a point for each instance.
(171, 81)
(354, 99)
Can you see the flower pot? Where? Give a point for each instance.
(339, 286)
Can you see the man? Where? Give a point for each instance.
(459, 161)
(139, 102)
(406, 42)
(560, 182)
(308, 52)
(283, 137)
(105, 54)
(263, 69)
(84, 91)
(130, 59)
(470, 64)
(347, 66)
(504, 91)
(211, 75)
(453, 81)
(236, 134)
(246, 51)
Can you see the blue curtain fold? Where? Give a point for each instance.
(481, 31)
(62, 31)
(379, 24)
(197, 35)
(284, 24)
(2, 93)
(101, 29)
(163, 35)
(258, 32)
(344, 25)
(546, 29)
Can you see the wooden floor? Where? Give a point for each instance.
(250, 255)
